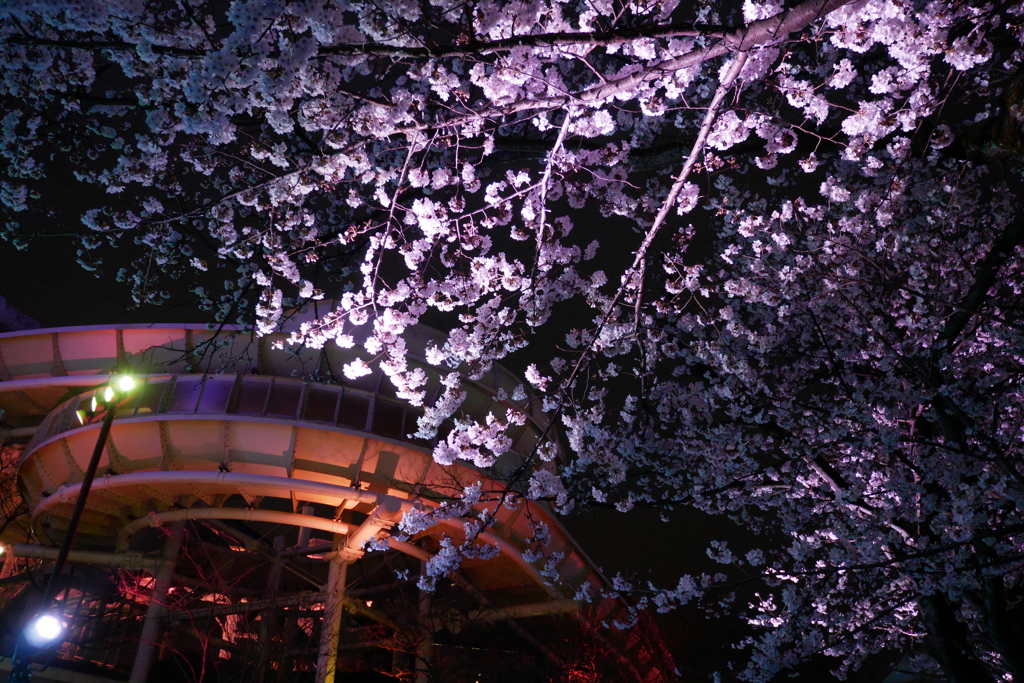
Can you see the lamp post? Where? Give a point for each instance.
(47, 626)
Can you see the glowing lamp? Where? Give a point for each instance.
(44, 629)
(117, 388)
(123, 383)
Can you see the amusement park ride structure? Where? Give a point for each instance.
(225, 533)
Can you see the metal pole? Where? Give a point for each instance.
(269, 615)
(150, 635)
(425, 648)
(83, 495)
(330, 634)
(129, 561)
(20, 670)
(304, 532)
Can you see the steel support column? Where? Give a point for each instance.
(150, 636)
(330, 634)
(425, 648)
(268, 617)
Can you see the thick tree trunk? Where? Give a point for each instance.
(1003, 629)
(950, 642)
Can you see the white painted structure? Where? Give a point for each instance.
(226, 430)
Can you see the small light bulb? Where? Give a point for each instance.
(95, 404)
(124, 383)
(108, 394)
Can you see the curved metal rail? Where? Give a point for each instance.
(223, 428)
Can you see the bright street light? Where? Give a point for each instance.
(117, 389)
(123, 383)
(44, 629)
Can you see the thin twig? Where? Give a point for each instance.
(641, 253)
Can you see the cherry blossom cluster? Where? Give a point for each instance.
(758, 258)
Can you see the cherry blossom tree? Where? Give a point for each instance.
(762, 259)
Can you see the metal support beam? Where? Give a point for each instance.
(459, 579)
(383, 517)
(535, 609)
(150, 636)
(330, 633)
(425, 647)
(227, 482)
(243, 514)
(269, 617)
(129, 561)
(303, 541)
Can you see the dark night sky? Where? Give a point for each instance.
(45, 283)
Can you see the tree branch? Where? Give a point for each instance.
(641, 253)
(951, 642)
(986, 277)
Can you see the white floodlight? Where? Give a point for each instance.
(44, 629)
